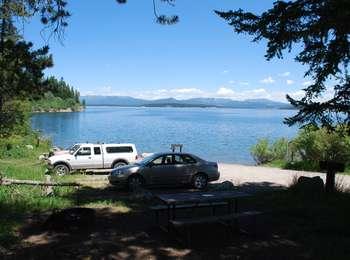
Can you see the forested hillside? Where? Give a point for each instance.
(58, 96)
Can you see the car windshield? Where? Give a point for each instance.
(147, 159)
(73, 148)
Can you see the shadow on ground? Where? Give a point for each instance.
(133, 233)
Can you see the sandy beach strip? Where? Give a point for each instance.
(240, 174)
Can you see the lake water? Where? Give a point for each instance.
(224, 135)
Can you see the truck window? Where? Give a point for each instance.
(119, 149)
(97, 150)
(84, 151)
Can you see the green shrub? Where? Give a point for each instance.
(27, 146)
(261, 152)
(264, 152)
(334, 145)
(305, 146)
(306, 150)
(322, 145)
(279, 149)
(14, 118)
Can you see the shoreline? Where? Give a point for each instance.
(62, 110)
(268, 176)
(202, 107)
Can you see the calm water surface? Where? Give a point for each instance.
(223, 135)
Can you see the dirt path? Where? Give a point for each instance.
(240, 174)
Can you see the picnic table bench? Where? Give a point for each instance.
(194, 200)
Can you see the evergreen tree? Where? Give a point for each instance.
(322, 28)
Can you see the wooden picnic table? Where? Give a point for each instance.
(195, 199)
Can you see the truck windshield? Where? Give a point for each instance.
(73, 148)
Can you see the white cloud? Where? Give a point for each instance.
(103, 91)
(268, 80)
(284, 74)
(225, 71)
(306, 83)
(244, 83)
(290, 82)
(225, 92)
(186, 91)
(231, 82)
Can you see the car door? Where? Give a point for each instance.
(161, 170)
(182, 170)
(191, 166)
(83, 158)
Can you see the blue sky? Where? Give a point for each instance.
(112, 49)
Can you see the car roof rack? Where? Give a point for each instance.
(174, 146)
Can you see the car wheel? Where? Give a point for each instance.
(200, 181)
(119, 164)
(61, 169)
(135, 183)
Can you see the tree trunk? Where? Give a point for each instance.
(330, 181)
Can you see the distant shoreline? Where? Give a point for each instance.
(190, 106)
(127, 101)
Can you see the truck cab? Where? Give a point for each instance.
(93, 156)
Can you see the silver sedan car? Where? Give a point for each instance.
(166, 169)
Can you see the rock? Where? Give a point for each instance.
(29, 147)
(71, 219)
(310, 184)
(226, 185)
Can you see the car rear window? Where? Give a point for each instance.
(119, 149)
(188, 159)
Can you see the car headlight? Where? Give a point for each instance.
(116, 172)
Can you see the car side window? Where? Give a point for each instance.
(178, 159)
(168, 159)
(84, 151)
(97, 150)
(188, 159)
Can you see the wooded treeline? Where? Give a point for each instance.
(22, 78)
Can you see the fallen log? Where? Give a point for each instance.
(6, 181)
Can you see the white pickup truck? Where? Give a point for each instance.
(88, 156)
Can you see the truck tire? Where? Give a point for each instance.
(61, 169)
(118, 164)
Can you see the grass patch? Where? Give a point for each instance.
(116, 206)
(18, 201)
(23, 169)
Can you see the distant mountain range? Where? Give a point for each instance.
(172, 102)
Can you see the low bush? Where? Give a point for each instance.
(30, 145)
(264, 152)
(261, 152)
(306, 150)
